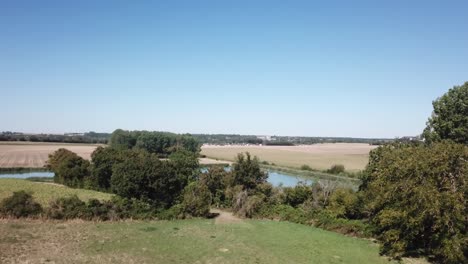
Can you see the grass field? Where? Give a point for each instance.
(319, 156)
(184, 241)
(46, 192)
(34, 155)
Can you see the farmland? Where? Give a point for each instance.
(353, 156)
(34, 155)
(181, 241)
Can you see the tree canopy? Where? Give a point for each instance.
(449, 119)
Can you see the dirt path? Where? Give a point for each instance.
(225, 217)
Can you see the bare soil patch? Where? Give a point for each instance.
(29, 155)
(225, 217)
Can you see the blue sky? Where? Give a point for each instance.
(330, 68)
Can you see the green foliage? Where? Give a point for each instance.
(215, 180)
(306, 167)
(449, 118)
(161, 143)
(103, 159)
(186, 164)
(196, 200)
(247, 172)
(415, 195)
(175, 212)
(344, 203)
(20, 204)
(284, 212)
(336, 169)
(69, 168)
(115, 209)
(297, 195)
(145, 177)
(67, 208)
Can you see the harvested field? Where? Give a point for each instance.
(354, 156)
(34, 155)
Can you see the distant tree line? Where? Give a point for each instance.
(161, 143)
(89, 137)
(226, 139)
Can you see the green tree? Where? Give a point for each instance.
(416, 197)
(449, 118)
(103, 160)
(247, 172)
(145, 177)
(69, 168)
(121, 139)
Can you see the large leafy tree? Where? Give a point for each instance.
(415, 195)
(449, 119)
(69, 168)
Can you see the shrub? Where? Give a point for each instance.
(336, 169)
(19, 204)
(67, 208)
(175, 212)
(306, 167)
(214, 180)
(247, 172)
(196, 199)
(294, 196)
(247, 206)
(123, 208)
(284, 212)
(329, 222)
(344, 203)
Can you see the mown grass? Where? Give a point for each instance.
(46, 192)
(318, 161)
(190, 241)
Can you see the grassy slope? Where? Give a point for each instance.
(186, 241)
(320, 161)
(45, 192)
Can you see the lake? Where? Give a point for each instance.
(275, 178)
(25, 175)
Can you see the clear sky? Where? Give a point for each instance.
(310, 68)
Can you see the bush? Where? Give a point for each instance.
(67, 208)
(247, 172)
(20, 204)
(344, 203)
(284, 212)
(123, 208)
(336, 169)
(196, 200)
(247, 206)
(175, 212)
(306, 167)
(214, 180)
(329, 222)
(294, 196)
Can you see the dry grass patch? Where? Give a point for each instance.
(354, 156)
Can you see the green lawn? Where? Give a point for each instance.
(46, 192)
(183, 241)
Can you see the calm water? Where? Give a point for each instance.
(275, 178)
(279, 178)
(26, 174)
